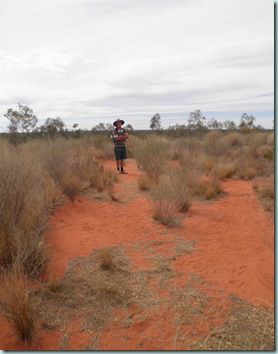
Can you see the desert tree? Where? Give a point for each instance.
(155, 122)
(213, 124)
(196, 121)
(177, 127)
(21, 120)
(177, 130)
(129, 128)
(247, 122)
(52, 126)
(229, 125)
(103, 127)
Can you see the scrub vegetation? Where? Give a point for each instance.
(178, 166)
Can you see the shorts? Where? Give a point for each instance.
(120, 153)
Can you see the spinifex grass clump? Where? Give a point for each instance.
(224, 170)
(151, 155)
(246, 168)
(144, 182)
(33, 178)
(265, 192)
(17, 306)
(169, 197)
(75, 166)
(206, 188)
(26, 194)
(165, 212)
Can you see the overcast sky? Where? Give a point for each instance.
(92, 61)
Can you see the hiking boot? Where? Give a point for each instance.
(124, 173)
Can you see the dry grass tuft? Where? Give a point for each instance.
(98, 154)
(246, 168)
(151, 155)
(270, 139)
(266, 195)
(265, 151)
(207, 189)
(17, 306)
(25, 204)
(72, 186)
(206, 163)
(235, 139)
(165, 212)
(106, 260)
(53, 282)
(246, 172)
(144, 183)
(224, 170)
(170, 196)
(247, 327)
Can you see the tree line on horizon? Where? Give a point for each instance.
(23, 120)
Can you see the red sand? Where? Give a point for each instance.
(235, 242)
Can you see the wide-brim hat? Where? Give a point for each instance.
(119, 120)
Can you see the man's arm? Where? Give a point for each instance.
(121, 137)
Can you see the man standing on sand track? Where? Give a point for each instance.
(119, 136)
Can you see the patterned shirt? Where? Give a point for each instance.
(118, 132)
